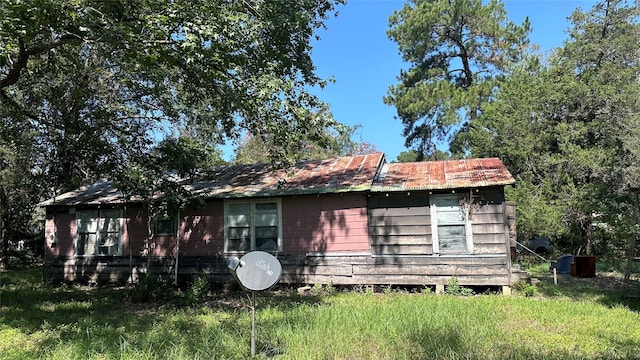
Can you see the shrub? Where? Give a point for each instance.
(453, 288)
(525, 288)
(151, 287)
(199, 289)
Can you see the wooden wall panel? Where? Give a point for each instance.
(297, 269)
(400, 224)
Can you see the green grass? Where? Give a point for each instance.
(565, 321)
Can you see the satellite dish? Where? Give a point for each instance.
(257, 270)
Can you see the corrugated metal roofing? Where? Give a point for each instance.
(448, 174)
(343, 174)
(101, 192)
(352, 173)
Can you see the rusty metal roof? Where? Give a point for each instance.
(448, 174)
(101, 192)
(343, 174)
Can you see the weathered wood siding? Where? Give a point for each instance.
(325, 223)
(328, 239)
(488, 223)
(479, 270)
(400, 224)
(400, 227)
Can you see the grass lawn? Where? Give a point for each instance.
(576, 319)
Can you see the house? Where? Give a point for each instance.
(343, 221)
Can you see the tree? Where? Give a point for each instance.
(562, 128)
(161, 180)
(21, 187)
(414, 155)
(458, 51)
(96, 84)
(254, 149)
(213, 67)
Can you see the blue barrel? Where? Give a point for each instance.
(563, 264)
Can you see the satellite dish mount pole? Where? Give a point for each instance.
(253, 323)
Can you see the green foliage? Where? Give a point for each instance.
(527, 289)
(89, 88)
(563, 128)
(319, 289)
(151, 288)
(257, 149)
(199, 289)
(70, 322)
(330, 289)
(453, 288)
(458, 51)
(414, 155)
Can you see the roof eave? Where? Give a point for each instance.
(440, 187)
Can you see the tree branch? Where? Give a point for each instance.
(24, 53)
(21, 109)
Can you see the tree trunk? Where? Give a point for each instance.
(587, 232)
(4, 241)
(150, 234)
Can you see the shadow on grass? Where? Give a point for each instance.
(103, 322)
(605, 289)
(450, 344)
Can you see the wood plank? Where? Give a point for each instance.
(339, 270)
(443, 260)
(497, 228)
(334, 260)
(395, 200)
(489, 239)
(490, 249)
(423, 230)
(488, 209)
(492, 280)
(487, 218)
(413, 211)
(462, 270)
(399, 220)
(402, 240)
(402, 249)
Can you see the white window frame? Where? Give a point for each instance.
(251, 223)
(97, 222)
(462, 199)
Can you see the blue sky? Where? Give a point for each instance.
(356, 52)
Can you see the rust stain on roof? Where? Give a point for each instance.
(337, 175)
(352, 173)
(448, 174)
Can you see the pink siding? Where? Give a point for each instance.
(134, 232)
(202, 230)
(65, 232)
(325, 223)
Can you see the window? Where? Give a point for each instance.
(254, 225)
(98, 232)
(453, 230)
(166, 224)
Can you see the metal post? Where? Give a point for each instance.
(253, 323)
